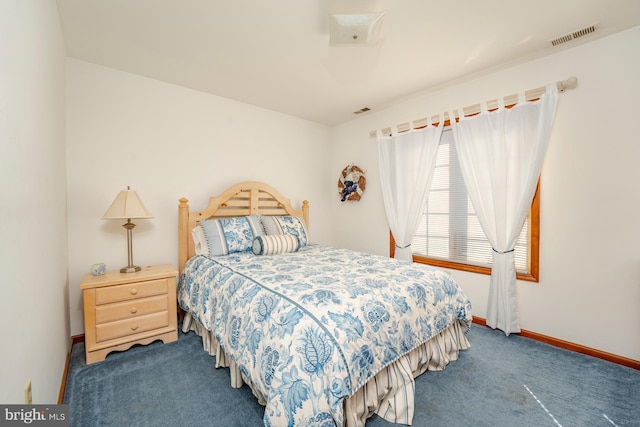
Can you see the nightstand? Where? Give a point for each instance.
(123, 309)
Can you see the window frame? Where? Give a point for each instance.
(532, 275)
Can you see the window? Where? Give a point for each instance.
(449, 234)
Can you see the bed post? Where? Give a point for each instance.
(305, 212)
(183, 233)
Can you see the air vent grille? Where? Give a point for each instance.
(362, 110)
(574, 35)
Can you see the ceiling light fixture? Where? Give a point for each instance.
(355, 29)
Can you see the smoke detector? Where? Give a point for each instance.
(574, 35)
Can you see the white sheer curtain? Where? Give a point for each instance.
(501, 155)
(406, 162)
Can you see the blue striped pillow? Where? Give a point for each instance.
(275, 244)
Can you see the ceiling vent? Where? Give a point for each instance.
(574, 35)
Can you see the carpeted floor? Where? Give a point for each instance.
(499, 381)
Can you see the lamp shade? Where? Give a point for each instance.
(127, 205)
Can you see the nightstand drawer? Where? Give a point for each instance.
(135, 325)
(130, 309)
(130, 291)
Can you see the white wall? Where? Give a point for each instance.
(33, 242)
(589, 289)
(168, 142)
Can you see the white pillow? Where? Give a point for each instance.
(285, 224)
(199, 241)
(275, 244)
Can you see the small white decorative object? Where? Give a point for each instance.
(98, 269)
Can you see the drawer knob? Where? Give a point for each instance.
(134, 310)
(134, 291)
(134, 327)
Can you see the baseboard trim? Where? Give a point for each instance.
(74, 340)
(620, 360)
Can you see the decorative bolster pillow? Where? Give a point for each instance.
(275, 244)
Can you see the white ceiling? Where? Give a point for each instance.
(275, 54)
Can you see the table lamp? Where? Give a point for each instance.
(128, 205)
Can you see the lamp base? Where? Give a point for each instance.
(130, 269)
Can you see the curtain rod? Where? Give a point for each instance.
(530, 95)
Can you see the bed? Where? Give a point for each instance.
(323, 336)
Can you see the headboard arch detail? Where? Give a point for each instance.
(245, 198)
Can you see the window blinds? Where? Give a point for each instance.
(449, 228)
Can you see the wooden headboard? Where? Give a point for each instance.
(246, 198)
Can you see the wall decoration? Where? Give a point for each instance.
(351, 183)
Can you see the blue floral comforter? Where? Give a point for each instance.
(309, 328)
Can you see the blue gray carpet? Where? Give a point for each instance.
(500, 381)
